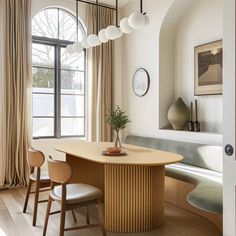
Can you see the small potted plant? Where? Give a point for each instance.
(118, 120)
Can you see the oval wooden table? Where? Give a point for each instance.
(133, 185)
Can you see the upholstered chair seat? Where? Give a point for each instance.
(43, 176)
(76, 193)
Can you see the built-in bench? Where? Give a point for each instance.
(197, 179)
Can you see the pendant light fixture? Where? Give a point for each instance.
(125, 27)
(93, 39)
(77, 47)
(135, 21)
(138, 20)
(102, 36)
(84, 43)
(113, 32)
(69, 49)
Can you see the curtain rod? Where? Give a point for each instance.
(100, 5)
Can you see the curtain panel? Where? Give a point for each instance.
(15, 86)
(100, 74)
(2, 159)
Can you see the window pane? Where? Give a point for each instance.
(72, 105)
(43, 127)
(43, 55)
(67, 24)
(72, 82)
(45, 24)
(72, 61)
(43, 105)
(72, 126)
(43, 80)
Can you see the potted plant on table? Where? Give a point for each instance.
(118, 120)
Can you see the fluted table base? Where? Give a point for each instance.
(134, 199)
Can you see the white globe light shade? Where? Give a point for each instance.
(93, 40)
(137, 20)
(119, 32)
(84, 43)
(77, 47)
(102, 36)
(125, 27)
(147, 20)
(69, 49)
(112, 32)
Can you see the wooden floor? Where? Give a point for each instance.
(14, 223)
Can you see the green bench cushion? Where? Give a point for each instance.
(207, 197)
(202, 166)
(204, 156)
(208, 193)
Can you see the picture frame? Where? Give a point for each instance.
(208, 72)
(141, 82)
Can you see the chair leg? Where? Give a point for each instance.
(47, 216)
(27, 196)
(36, 199)
(100, 215)
(62, 220)
(74, 216)
(87, 215)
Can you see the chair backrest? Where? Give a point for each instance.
(59, 171)
(36, 158)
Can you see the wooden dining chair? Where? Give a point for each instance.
(71, 196)
(40, 178)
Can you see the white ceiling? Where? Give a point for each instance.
(112, 2)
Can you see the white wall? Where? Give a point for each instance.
(201, 23)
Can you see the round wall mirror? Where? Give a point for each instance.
(141, 82)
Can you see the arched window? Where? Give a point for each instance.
(58, 78)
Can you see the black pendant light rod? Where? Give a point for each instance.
(77, 21)
(97, 15)
(141, 6)
(100, 5)
(117, 16)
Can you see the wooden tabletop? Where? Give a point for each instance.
(92, 151)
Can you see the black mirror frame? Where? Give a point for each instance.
(148, 81)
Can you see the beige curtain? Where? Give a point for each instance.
(100, 74)
(16, 80)
(2, 160)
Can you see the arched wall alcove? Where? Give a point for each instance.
(187, 24)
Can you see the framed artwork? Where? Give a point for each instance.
(208, 75)
(141, 82)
